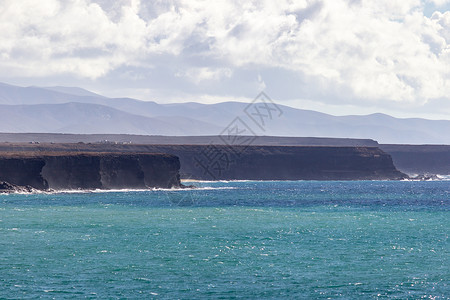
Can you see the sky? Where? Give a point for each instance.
(336, 56)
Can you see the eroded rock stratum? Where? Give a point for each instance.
(61, 171)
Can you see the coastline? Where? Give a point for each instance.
(194, 187)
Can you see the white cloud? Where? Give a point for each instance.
(198, 75)
(440, 2)
(49, 36)
(352, 51)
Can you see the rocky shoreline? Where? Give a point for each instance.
(8, 188)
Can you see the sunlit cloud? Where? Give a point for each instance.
(386, 53)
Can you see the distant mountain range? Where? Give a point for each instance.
(78, 111)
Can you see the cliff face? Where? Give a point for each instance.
(206, 162)
(72, 171)
(286, 163)
(91, 170)
(420, 159)
(23, 171)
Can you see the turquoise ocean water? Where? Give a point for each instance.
(303, 240)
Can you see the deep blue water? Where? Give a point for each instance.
(362, 239)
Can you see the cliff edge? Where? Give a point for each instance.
(116, 166)
(68, 171)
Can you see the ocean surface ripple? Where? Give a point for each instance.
(221, 240)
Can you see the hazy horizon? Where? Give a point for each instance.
(74, 110)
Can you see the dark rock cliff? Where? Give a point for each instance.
(90, 170)
(411, 159)
(285, 163)
(420, 159)
(23, 171)
(215, 162)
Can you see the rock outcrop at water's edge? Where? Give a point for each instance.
(7, 188)
(69, 171)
